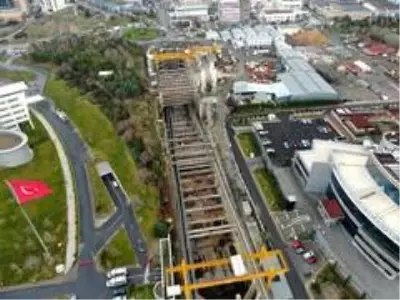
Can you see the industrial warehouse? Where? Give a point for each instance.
(295, 80)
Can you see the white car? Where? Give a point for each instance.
(114, 183)
(61, 115)
(117, 272)
(117, 281)
(121, 297)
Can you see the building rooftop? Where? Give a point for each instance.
(321, 149)
(13, 88)
(332, 207)
(9, 140)
(367, 195)
(364, 183)
(393, 137)
(347, 5)
(361, 121)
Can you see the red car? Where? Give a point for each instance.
(83, 263)
(310, 257)
(298, 246)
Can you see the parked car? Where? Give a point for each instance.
(117, 272)
(298, 246)
(117, 281)
(310, 257)
(119, 291)
(120, 297)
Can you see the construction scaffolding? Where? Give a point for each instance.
(184, 268)
(187, 55)
(206, 224)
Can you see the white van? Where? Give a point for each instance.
(117, 272)
(117, 281)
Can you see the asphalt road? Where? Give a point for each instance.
(132, 227)
(292, 276)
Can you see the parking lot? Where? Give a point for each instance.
(282, 137)
(293, 224)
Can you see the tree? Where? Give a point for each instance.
(161, 229)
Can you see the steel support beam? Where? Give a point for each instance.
(196, 172)
(192, 145)
(199, 188)
(220, 218)
(191, 168)
(193, 161)
(183, 139)
(187, 154)
(200, 198)
(207, 234)
(206, 208)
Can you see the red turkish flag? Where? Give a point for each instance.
(28, 190)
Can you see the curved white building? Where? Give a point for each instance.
(366, 185)
(14, 149)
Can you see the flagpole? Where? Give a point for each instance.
(30, 223)
(35, 231)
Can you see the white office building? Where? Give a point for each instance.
(366, 185)
(14, 105)
(283, 4)
(49, 6)
(199, 11)
(278, 16)
(229, 11)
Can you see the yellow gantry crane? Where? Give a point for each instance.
(184, 268)
(188, 54)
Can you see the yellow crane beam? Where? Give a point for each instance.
(225, 261)
(263, 254)
(188, 54)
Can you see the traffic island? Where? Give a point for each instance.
(118, 252)
(269, 188)
(248, 144)
(141, 292)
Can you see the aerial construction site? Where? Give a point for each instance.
(214, 257)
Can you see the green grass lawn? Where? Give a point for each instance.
(141, 292)
(143, 34)
(103, 203)
(21, 255)
(248, 144)
(269, 187)
(16, 75)
(100, 135)
(118, 252)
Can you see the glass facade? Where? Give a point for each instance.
(388, 188)
(374, 233)
(301, 166)
(5, 4)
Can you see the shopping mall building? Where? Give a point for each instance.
(366, 184)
